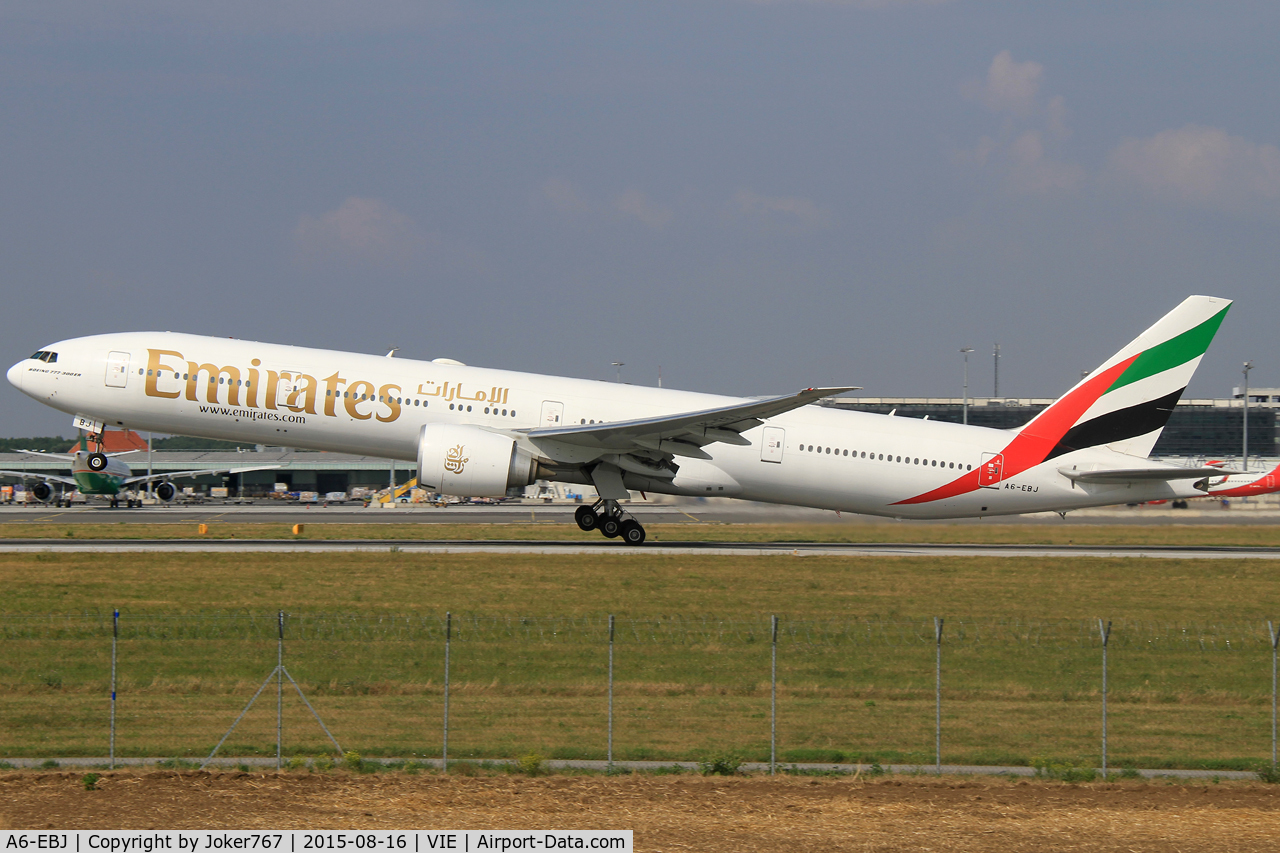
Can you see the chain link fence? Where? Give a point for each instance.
(1013, 691)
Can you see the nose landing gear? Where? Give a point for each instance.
(609, 518)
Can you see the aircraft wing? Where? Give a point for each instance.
(1142, 475)
(27, 475)
(685, 433)
(48, 455)
(175, 475)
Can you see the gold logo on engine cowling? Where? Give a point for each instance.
(454, 460)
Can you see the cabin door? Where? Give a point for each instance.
(117, 369)
(992, 470)
(552, 414)
(775, 438)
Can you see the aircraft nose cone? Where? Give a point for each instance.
(15, 374)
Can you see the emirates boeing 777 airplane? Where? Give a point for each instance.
(478, 432)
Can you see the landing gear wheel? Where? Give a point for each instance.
(632, 532)
(97, 462)
(586, 518)
(115, 503)
(610, 527)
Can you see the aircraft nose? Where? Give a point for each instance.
(15, 374)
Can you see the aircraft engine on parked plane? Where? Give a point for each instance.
(471, 462)
(42, 491)
(166, 491)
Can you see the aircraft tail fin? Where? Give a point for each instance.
(1127, 401)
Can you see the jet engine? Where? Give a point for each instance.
(42, 491)
(471, 462)
(166, 491)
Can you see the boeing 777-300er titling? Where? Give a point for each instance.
(478, 432)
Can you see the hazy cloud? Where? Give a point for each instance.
(1020, 152)
(787, 211)
(636, 203)
(1200, 165)
(1010, 86)
(365, 229)
(564, 197)
(1032, 171)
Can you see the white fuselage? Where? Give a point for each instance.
(350, 402)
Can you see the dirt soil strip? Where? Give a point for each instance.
(676, 813)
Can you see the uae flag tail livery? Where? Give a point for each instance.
(1123, 405)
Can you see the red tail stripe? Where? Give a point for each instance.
(1030, 447)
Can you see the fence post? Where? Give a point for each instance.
(937, 736)
(1105, 631)
(448, 636)
(1275, 643)
(773, 703)
(115, 637)
(610, 755)
(279, 686)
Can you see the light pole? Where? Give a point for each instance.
(619, 365)
(965, 352)
(1248, 365)
(996, 358)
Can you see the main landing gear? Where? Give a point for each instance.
(607, 517)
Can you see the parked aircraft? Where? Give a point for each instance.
(1242, 484)
(98, 473)
(479, 432)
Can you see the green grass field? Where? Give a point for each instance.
(1190, 663)
(1245, 535)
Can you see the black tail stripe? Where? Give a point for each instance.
(1118, 425)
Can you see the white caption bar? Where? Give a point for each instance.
(300, 841)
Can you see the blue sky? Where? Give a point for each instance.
(756, 197)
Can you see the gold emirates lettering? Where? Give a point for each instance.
(170, 376)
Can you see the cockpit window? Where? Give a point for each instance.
(51, 357)
(45, 356)
(39, 356)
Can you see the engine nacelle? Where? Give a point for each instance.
(166, 491)
(41, 491)
(471, 462)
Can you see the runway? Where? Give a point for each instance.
(711, 511)
(604, 547)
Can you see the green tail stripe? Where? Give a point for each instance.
(1173, 352)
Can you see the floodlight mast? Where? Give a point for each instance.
(1244, 430)
(965, 352)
